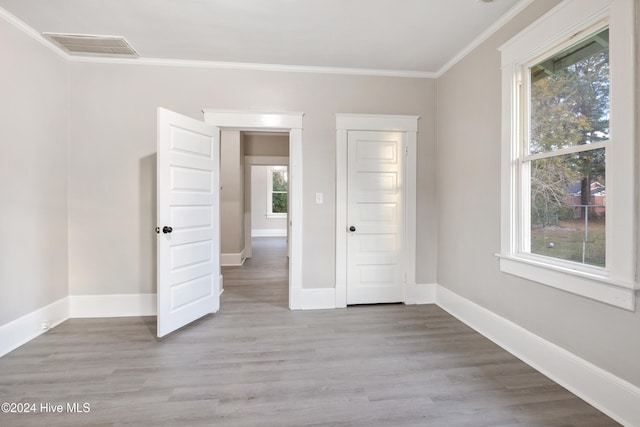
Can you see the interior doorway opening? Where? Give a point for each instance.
(263, 276)
(289, 124)
(267, 177)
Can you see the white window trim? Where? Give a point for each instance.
(614, 284)
(270, 214)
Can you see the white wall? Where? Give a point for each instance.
(259, 220)
(266, 144)
(113, 145)
(33, 174)
(468, 188)
(231, 192)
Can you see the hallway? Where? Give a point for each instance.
(262, 283)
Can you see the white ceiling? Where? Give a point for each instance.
(415, 36)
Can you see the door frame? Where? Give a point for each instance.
(376, 122)
(276, 122)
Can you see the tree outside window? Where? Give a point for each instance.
(565, 163)
(277, 200)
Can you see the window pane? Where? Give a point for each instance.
(570, 96)
(279, 181)
(568, 201)
(279, 203)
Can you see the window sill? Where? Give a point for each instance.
(276, 215)
(597, 287)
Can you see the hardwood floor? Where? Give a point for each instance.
(256, 363)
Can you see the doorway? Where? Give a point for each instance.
(264, 150)
(290, 123)
(262, 280)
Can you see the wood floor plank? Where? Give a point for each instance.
(256, 363)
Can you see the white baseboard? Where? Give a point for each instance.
(612, 395)
(24, 329)
(232, 260)
(269, 232)
(318, 298)
(295, 298)
(420, 294)
(124, 305)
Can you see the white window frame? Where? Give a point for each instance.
(567, 23)
(270, 214)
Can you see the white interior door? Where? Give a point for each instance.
(375, 217)
(188, 169)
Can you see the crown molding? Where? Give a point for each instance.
(29, 31)
(184, 63)
(510, 14)
(255, 67)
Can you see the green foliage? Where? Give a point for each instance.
(279, 182)
(279, 199)
(569, 107)
(279, 203)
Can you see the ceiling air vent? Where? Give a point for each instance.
(84, 44)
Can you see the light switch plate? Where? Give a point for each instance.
(318, 198)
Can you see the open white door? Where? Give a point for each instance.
(188, 220)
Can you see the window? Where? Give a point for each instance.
(277, 200)
(567, 151)
(563, 164)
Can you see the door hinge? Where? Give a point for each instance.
(406, 150)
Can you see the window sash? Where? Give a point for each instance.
(271, 171)
(523, 236)
(565, 151)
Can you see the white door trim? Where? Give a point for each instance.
(276, 122)
(375, 122)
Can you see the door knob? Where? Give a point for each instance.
(166, 229)
(352, 228)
